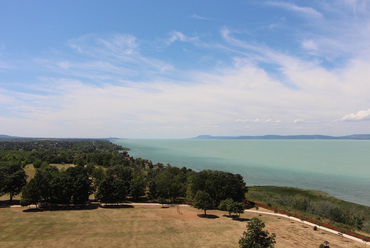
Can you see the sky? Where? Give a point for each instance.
(178, 69)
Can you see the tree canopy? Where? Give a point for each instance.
(256, 237)
(203, 201)
(12, 179)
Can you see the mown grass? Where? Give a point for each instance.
(146, 226)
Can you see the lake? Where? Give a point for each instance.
(338, 167)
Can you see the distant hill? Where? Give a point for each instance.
(351, 137)
(5, 136)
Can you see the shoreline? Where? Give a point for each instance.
(264, 172)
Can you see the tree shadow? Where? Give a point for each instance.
(208, 216)
(33, 210)
(116, 206)
(238, 218)
(62, 208)
(8, 203)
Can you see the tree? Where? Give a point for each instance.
(168, 183)
(162, 201)
(13, 179)
(255, 237)
(236, 208)
(112, 190)
(225, 205)
(37, 163)
(80, 185)
(137, 187)
(30, 193)
(98, 175)
(219, 185)
(121, 172)
(203, 201)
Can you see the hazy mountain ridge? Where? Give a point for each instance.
(352, 137)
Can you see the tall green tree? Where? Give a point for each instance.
(138, 186)
(256, 237)
(225, 205)
(80, 184)
(122, 172)
(203, 201)
(13, 179)
(219, 185)
(31, 193)
(169, 183)
(112, 190)
(236, 208)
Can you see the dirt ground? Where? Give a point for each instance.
(149, 226)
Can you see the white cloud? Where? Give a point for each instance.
(195, 16)
(308, 11)
(297, 121)
(114, 88)
(362, 115)
(178, 36)
(64, 64)
(309, 45)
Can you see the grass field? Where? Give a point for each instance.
(147, 226)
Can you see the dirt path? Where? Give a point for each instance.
(307, 223)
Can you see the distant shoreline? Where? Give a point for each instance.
(304, 137)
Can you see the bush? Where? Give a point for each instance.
(37, 163)
(315, 228)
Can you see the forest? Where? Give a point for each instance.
(106, 172)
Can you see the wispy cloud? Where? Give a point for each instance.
(117, 85)
(310, 45)
(195, 16)
(306, 11)
(178, 36)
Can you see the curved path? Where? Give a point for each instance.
(308, 223)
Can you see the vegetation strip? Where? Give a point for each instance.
(307, 223)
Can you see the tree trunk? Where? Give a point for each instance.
(205, 211)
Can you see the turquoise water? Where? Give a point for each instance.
(338, 167)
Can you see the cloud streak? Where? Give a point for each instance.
(306, 11)
(118, 85)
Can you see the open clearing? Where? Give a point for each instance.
(148, 226)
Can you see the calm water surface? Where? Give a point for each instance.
(338, 167)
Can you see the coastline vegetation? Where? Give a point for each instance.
(314, 204)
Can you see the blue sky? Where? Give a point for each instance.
(177, 69)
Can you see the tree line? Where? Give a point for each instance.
(108, 172)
